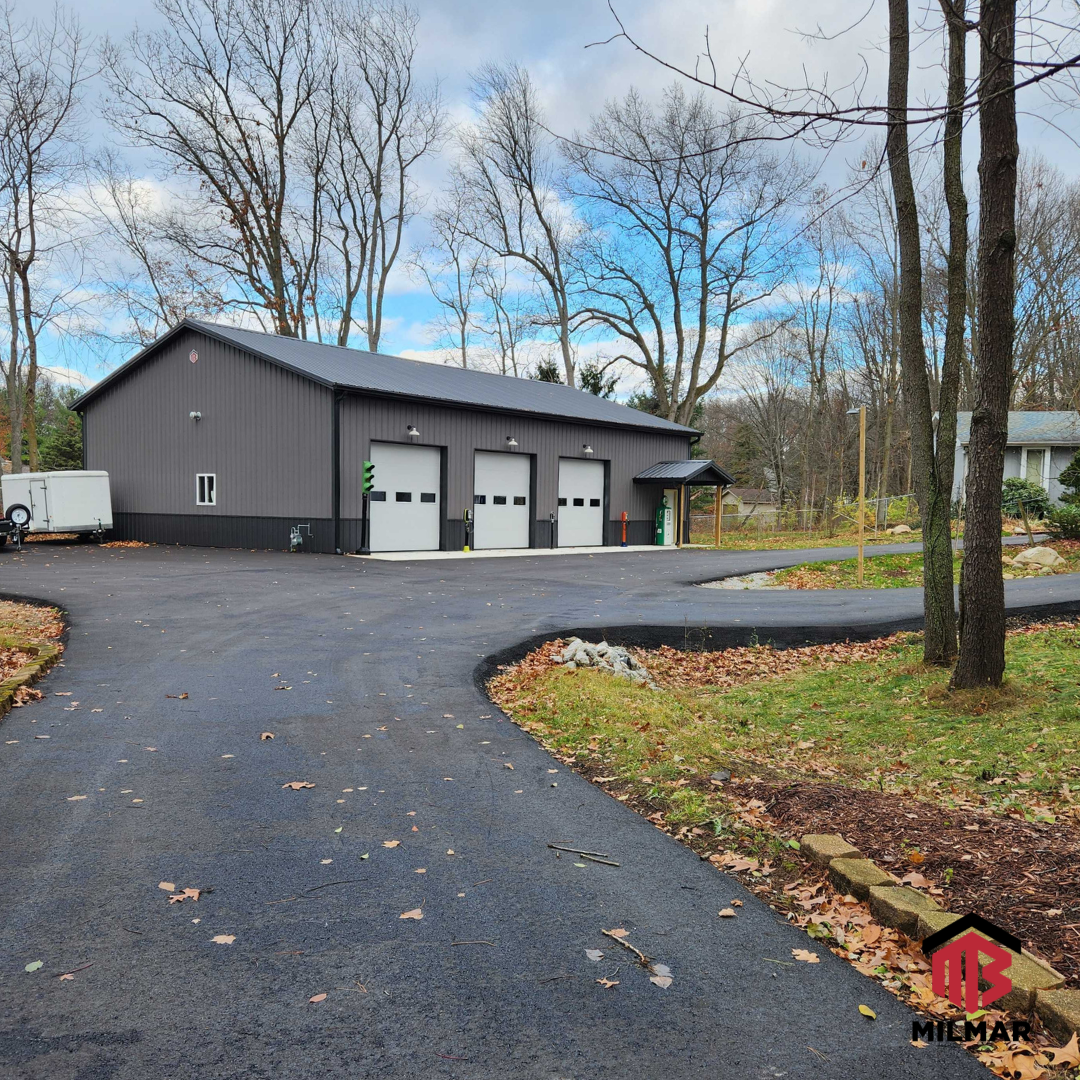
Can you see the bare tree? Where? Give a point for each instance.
(684, 239)
(511, 171)
(982, 590)
(455, 269)
(142, 278)
(383, 122)
(41, 78)
(507, 316)
(932, 451)
(228, 95)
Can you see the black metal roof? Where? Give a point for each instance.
(354, 369)
(694, 471)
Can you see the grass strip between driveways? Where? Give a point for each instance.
(906, 570)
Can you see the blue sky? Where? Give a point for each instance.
(550, 38)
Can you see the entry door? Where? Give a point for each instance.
(501, 500)
(405, 503)
(581, 503)
(41, 520)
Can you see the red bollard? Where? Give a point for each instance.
(624, 528)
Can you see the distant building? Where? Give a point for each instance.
(750, 502)
(1040, 445)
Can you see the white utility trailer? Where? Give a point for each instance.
(74, 501)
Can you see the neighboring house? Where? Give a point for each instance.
(750, 502)
(1040, 445)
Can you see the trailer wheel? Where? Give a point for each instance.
(18, 515)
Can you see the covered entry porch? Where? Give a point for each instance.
(672, 481)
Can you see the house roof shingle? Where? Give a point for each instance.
(1031, 428)
(354, 369)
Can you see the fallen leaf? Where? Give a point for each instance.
(390, 843)
(422, 870)
(325, 861)
(223, 939)
(34, 965)
(594, 954)
(915, 879)
(663, 981)
(168, 886)
(296, 785)
(507, 765)
(1021, 1065)
(416, 913)
(266, 735)
(620, 933)
(316, 999)
(727, 913)
(607, 984)
(736, 903)
(806, 956)
(916, 858)
(75, 798)
(1067, 1055)
(918, 1043)
(66, 977)
(868, 1012)
(183, 696)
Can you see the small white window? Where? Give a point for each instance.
(205, 489)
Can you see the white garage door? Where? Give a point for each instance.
(501, 500)
(581, 503)
(404, 504)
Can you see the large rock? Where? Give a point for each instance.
(1038, 556)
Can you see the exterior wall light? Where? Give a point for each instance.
(586, 448)
(194, 415)
(511, 441)
(413, 433)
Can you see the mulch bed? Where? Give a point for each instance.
(1024, 876)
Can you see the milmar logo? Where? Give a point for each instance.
(958, 970)
(955, 965)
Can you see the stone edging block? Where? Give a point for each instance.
(44, 658)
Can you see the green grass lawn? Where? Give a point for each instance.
(888, 723)
(751, 541)
(905, 571)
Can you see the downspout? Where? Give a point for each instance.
(336, 469)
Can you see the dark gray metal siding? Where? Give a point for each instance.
(264, 432)
(365, 419)
(267, 434)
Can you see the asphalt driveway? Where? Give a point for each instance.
(153, 770)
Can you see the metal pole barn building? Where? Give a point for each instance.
(223, 437)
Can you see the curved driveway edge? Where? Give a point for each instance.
(365, 673)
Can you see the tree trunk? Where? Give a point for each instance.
(939, 643)
(982, 606)
(939, 533)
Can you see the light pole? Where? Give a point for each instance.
(861, 411)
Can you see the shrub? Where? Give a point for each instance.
(1065, 521)
(1035, 498)
(1069, 478)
